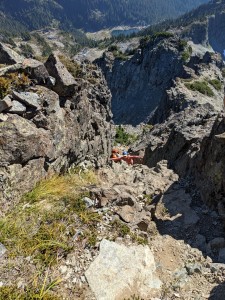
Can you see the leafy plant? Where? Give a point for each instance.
(113, 48)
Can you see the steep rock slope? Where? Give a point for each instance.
(43, 131)
(141, 83)
(189, 133)
(204, 25)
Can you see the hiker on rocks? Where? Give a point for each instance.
(115, 153)
(125, 153)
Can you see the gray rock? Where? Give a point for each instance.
(54, 138)
(125, 199)
(127, 213)
(217, 243)
(181, 278)
(143, 225)
(120, 272)
(27, 98)
(65, 83)
(52, 81)
(2, 250)
(17, 108)
(193, 268)
(3, 117)
(9, 56)
(215, 267)
(88, 202)
(36, 70)
(200, 242)
(5, 103)
(221, 257)
(137, 86)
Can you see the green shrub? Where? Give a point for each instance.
(200, 86)
(185, 56)
(182, 45)
(26, 50)
(113, 48)
(216, 84)
(163, 34)
(144, 41)
(46, 49)
(124, 138)
(121, 229)
(120, 55)
(13, 293)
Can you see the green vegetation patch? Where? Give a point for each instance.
(46, 49)
(186, 54)
(201, 87)
(124, 138)
(26, 50)
(117, 53)
(151, 38)
(121, 230)
(13, 293)
(216, 84)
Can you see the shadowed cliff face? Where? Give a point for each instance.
(216, 29)
(189, 129)
(43, 131)
(138, 84)
(146, 86)
(208, 32)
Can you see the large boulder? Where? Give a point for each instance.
(9, 56)
(27, 98)
(5, 103)
(36, 70)
(65, 82)
(120, 272)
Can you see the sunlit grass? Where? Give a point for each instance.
(43, 224)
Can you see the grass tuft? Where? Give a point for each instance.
(43, 224)
(200, 86)
(216, 84)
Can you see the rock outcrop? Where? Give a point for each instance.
(121, 271)
(208, 32)
(138, 83)
(149, 79)
(41, 133)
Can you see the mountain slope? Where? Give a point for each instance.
(204, 25)
(93, 15)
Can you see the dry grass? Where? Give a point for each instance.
(61, 186)
(43, 224)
